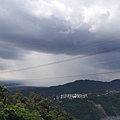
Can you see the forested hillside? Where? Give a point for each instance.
(95, 107)
(33, 107)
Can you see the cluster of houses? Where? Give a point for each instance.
(71, 96)
(109, 92)
(113, 91)
(82, 96)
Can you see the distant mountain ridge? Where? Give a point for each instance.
(80, 86)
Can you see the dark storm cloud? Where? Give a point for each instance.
(8, 51)
(53, 42)
(59, 28)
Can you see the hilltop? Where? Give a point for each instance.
(78, 86)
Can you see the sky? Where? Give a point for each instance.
(43, 32)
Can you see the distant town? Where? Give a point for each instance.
(83, 95)
(71, 96)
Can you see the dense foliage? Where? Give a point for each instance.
(34, 107)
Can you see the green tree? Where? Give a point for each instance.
(3, 94)
(13, 112)
(33, 107)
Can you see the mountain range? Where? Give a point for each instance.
(78, 86)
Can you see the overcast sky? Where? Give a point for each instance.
(39, 32)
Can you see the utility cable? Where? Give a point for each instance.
(62, 61)
(72, 76)
(107, 61)
(98, 43)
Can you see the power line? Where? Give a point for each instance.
(84, 74)
(90, 46)
(27, 68)
(91, 74)
(72, 76)
(62, 61)
(104, 62)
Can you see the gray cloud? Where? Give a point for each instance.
(3, 66)
(58, 27)
(8, 51)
